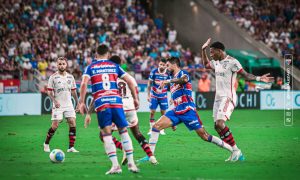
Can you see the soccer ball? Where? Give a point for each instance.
(57, 156)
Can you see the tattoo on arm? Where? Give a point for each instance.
(182, 80)
(248, 76)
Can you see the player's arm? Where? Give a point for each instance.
(88, 118)
(149, 89)
(51, 95)
(182, 80)
(132, 86)
(205, 59)
(250, 77)
(83, 88)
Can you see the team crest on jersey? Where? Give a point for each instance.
(69, 81)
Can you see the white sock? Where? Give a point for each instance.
(153, 139)
(110, 149)
(127, 146)
(151, 124)
(235, 148)
(220, 143)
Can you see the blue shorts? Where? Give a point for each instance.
(190, 119)
(163, 103)
(109, 115)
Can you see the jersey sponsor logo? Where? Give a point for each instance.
(62, 89)
(100, 71)
(220, 74)
(193, 122)
(103, 66)
(69, 81)
(108, 99)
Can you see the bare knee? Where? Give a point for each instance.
(54, 125)
(72, 122)
(219, 125)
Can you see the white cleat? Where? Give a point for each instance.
(46, 148)
(133, 168)
(235, 155)
(72, 149)
(153, 160)
(149, 133)
(162, 132)
(228, 159)
(114, 170)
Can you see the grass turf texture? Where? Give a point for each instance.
(271, 150)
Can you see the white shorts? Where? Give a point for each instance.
(223, 109)
(131, 118)
(58, 114)
(128, 103)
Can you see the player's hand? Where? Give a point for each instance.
(82, 108)
(56, 103)
(174, 128)
(87, 120)
(77, 108)
(136, 103)
(266, 78)
(148, 98)
(205, 45)
(162, 84)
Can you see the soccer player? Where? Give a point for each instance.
(61, 86)
(184, 108)
(108, 104)
(157, 96)
(226, 69)
(131, 115)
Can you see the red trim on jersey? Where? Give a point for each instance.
(109, 106)
(189, 86)
(162, 90)
(227, 118)
(184, 111)
(129, 110)
(241, 70)
(73, 89)
(98, 78)
(199, 120)
(50, 89)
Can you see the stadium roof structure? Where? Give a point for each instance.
(251, 60)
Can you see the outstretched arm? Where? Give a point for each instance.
(250, 77)
(205, 59)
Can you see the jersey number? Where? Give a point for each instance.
(122, 88)
(106, 82)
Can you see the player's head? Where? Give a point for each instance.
(162, 64)
(116, 59)
(173, 63)
(103, 51)
(217, 50)
(62, 64)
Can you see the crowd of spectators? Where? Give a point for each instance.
(34, 33)
(274, 22)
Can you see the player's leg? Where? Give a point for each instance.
(56, 117)
(121, 123)
(118, 144)
(51, 131)
(105, 122)
(153, 107)
(163, 104)
(133, 122)
(166, 121)
(72, 134)
(223, 114)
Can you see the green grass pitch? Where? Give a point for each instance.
(271, 150)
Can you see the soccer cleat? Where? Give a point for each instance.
(133, 168)
(235, 155)
(144, 159)
(228, 159)
(162, 132)
(46, 148)
(153, 160)
(72, 149)
(124, 160)
(149, 133)
(114, 170)
(242, 157)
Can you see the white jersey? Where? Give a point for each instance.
(226, 71)
(62, 87)
(126, 95)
